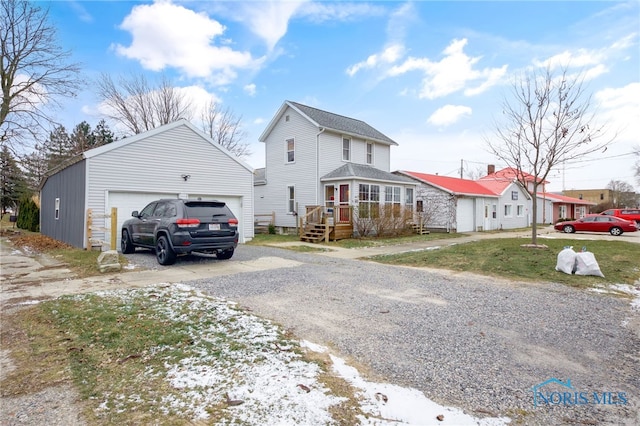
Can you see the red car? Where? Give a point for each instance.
(597, 223)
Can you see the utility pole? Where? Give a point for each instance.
(461, 168)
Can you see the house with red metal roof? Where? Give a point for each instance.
(559, 206)
(550, 207)
(495, 201)
(464, 205)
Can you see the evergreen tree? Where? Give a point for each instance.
(34, 166)
(12, 184)
(58, 148)
(81, 139)
(102, 134)
(28, 214)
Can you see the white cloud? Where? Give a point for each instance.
(448, 115)
(619, 108)
(269, 19)
(168, 35)
(388, 56)
(579, 59)
(452, 73)
(319, 12)
(250, 89)
(80, 11)
(259, 120)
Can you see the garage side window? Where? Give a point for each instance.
(507, 210)
(57, 207)
(291, 199)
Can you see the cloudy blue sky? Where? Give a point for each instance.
(431, 75)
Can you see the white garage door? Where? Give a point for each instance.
(465, 215)
(234, 203)
(126, 202)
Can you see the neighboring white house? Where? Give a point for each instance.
(464, 205)
(514, 202)
(318, 158)
(454, 204)
(172, 161)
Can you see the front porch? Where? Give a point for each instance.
(320, 223)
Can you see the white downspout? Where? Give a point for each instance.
(322, 129)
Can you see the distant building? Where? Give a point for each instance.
(598, 196)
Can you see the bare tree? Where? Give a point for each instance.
(622, 194)
(139, 106)
(548, 121)
(34, 73)
(225, 128)
(475, 173)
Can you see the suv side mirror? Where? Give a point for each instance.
(135, 213)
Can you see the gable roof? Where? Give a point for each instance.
(330, 121)
(135, 138)
(510, 173)
(452, 185)
(558, 198)
(353, 170)
(153, 132)
(497, 186)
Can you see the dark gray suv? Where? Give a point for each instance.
(174, 227)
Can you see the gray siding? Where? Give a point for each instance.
(69, 186)
(156, 164)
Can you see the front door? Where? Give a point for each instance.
(343, 203)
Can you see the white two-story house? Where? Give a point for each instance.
(316, 158)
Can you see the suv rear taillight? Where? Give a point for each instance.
(188, 223)
(233, 223)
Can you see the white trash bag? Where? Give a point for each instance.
(586, 264)
(566, 260)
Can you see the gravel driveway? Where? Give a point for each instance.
(478, 343)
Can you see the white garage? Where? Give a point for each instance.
(171, 161)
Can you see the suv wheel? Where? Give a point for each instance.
(126, 245)
(224, 255)
(164, 252)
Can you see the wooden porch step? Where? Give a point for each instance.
(417, 230)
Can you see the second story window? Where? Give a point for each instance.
(369, 153)
(346, 149)
(291, 151)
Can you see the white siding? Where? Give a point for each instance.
(316, 154)
(465, 215)
(155, 165)
(513, 221)
(302, 173)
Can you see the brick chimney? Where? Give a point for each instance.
(491, 169)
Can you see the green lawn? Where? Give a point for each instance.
(618, 261)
